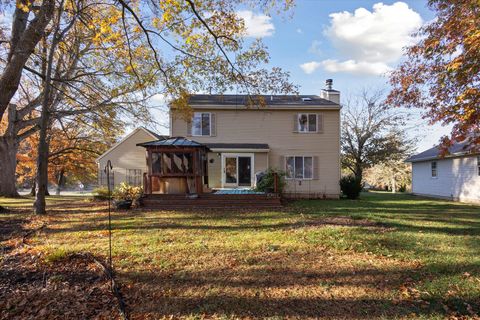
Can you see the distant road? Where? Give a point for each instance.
(25, 192)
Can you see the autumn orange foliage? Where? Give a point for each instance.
(441, 73)
(72, 155)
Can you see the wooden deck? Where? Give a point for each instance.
(212, 201)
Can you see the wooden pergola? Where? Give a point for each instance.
(175, 166)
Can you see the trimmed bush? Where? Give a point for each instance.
(351, 187)
(267, 183)
(100, 193)
(126, 192)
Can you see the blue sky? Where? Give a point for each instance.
(352, 42)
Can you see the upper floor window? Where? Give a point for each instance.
(201, 124)
(307, 122)
(299, 167)
(434, 169)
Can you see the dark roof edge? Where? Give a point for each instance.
(412, 159)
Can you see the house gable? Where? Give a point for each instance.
(149, 133)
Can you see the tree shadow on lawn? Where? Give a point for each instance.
(388, 203)
(127, 222)
(279, 292)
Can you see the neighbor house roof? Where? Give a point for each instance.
(149, 132)
(172, 142)
(457, 149)
(272, 101)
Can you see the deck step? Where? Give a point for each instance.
(212, 201)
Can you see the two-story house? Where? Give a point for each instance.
(298, 134)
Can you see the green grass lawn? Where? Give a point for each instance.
(26, 202)
(383, 256)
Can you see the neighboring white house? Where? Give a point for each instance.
(455, 176)
(128, 160)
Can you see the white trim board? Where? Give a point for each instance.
(230, 150)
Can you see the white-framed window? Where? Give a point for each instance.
(433, 166)
(299, 167)
(201, 124)
(307, 122)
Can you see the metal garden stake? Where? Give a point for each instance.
(108, 168)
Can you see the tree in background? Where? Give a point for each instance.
(175, 47)
(392, 175)
(441, 72)
(73, 148)
(372, 133)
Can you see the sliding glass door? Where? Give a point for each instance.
(237, 170)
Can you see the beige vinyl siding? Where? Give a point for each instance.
(214, 170)
(261, 162)
(275, 128)
(126, 155)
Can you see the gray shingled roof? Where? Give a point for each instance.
(234, 99)
(456, 149)
(171, 142)
(237, 145)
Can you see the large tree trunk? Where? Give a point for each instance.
(8, 164)
(358, 172)
(24, 39)
(34, 187)
(60, 181)
(42, 166)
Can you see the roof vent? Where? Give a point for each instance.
(306, 99)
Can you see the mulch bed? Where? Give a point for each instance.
(72, 287)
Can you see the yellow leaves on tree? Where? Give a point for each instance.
(441, 72)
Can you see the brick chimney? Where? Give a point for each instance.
(329, 93)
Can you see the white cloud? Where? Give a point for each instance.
(257, 25)
(370, 41)
(356, 67)
(300, 31)
(315, 47)
(310, 67)
(158, 99)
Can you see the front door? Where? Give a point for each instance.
(237, 170)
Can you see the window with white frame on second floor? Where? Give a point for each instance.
(299, 167)
(434, 169)
(307, 122)
(201, 124)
